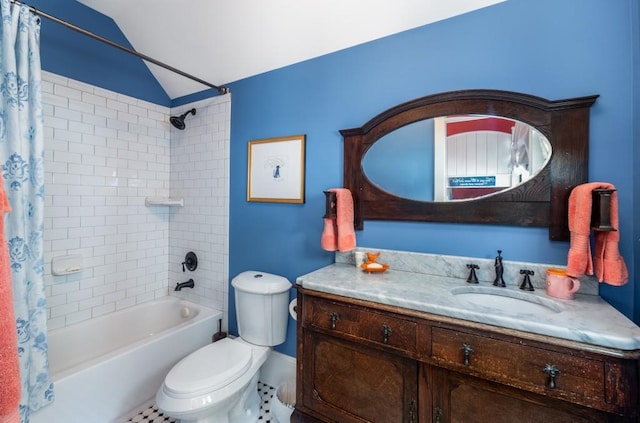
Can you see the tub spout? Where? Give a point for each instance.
(187, 284)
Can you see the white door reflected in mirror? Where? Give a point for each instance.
(456, 158)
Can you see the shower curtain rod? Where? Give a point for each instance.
(221, 90)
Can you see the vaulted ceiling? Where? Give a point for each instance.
(225, 41)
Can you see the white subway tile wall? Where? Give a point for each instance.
(200, 175)
(104, 153)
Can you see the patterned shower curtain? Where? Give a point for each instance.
(22, 156)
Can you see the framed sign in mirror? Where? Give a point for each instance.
(539, 200)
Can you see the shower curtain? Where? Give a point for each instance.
(21, 156)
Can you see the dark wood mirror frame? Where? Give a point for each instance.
(542, 201)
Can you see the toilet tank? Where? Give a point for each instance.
(262, 307)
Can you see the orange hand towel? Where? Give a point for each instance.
(12, 417)
(9, 362)
(579, 259)
(608, 264)
(339, 233)
(329, 241)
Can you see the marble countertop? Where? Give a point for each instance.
(587, 318)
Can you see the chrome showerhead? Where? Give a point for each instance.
(178, 121)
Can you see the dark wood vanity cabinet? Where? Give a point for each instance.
(364, 362)
(459, 398)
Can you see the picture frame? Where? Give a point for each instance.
(275, 170)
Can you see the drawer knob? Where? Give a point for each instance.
(386, 332)
(334, 318)
(553, 372)
(467, 350)
(437, 414)
(413, 413)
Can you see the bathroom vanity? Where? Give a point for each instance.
(403, 346)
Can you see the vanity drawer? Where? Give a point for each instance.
(578, 378)
(360, 322)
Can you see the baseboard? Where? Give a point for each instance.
(277, 369)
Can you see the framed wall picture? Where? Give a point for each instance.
(276, 170)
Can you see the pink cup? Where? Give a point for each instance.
(560, 285)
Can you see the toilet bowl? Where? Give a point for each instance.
(215, 383)
(218, 382)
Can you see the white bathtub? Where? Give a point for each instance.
(104, 368)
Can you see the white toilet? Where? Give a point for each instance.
(218, 383)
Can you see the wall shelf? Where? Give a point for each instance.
(163, 201)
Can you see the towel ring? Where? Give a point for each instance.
(330, 205)
(601, 210)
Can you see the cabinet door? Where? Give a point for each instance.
(346, 382)
(459, 398)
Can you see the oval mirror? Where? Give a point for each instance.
(456, 158)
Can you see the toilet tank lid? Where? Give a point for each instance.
(260, 283)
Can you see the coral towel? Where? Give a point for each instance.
(9, 364)
(607, 263)
(338, 233)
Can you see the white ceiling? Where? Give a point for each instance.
(224, 41)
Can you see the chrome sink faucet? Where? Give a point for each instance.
(499, 280)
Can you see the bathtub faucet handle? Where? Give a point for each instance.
(187, 284)
(190, 261)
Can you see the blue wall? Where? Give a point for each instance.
(549, 48)
(635, 25)
(66, 52)
(546, 48)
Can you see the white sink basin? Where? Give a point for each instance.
(505, 300)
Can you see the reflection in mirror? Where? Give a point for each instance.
(456, 158)
(402, 161)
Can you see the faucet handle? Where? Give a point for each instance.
(472, 274)
(190, 261)
(526, 281)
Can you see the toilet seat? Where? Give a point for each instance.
(208, 369)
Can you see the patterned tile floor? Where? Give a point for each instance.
(266, 393)
(153, 415)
